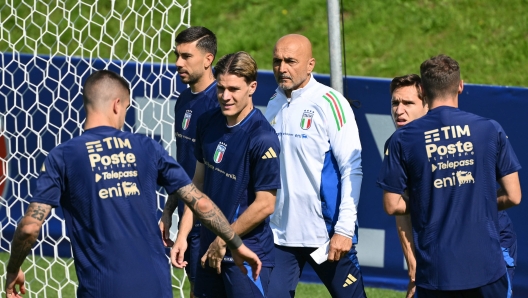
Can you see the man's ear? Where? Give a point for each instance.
(460, 86)
(252, 87)
(208, 60)
(116, 105)
(311, 65)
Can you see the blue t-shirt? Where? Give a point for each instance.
(189, 107)
(449, 161)
(106, 182)
(239, 161)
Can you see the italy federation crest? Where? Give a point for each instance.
(186, 119)
(306, 120)
(219, 153)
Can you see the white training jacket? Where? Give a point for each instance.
(320, 164)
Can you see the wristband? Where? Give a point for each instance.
(235, 242)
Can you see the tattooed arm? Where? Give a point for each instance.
(208, 213)
(211, 217)
(25, 236)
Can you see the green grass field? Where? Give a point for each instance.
(54, 276)
(382, 38)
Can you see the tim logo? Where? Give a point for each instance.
(306, 120)
(219, 152)
(186, 119)
(447, 133)
(464, 177)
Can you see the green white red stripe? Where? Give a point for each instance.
(337, 109)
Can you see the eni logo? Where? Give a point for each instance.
(126, 188)
(130, 189)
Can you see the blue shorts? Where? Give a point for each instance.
(231, 282)
(510, 258)
(500, 288)
(192, 255)
(342, 279)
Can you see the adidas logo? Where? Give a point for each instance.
(350, 280)
(269, 154)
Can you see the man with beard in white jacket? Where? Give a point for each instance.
(320, 175)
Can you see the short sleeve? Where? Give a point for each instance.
(171, 175)
(265, 164)
(393, 176)
(507, 161)
(50, 183)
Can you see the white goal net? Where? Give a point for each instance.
(47, 50)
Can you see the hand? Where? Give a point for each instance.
(411, 288)
(215, 254)
(11, 281)
(243, 253)
(339, 246)
(178, 251)
(165, 225)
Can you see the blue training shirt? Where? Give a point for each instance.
(449, 161)
(188, 109)
(106, 182)
(239, 161)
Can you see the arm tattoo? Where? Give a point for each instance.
(25, 236)
(210, 216)
(38, 212)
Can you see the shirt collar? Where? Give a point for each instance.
(299, 92)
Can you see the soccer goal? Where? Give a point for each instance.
(47, 50)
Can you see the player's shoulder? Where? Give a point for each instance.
(212, 115)
(187, 93)
(330, 101)
(57, 152)
(259, 127)
(275, 103)
(322, 93)
(398, 135)
(277, 98)
(387, 144)
(211, 92)
(184, 97)
(482, 122)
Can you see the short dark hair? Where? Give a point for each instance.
(98, 76)
(240, 64)
(407, 80)
(440, 76)
(206, 38)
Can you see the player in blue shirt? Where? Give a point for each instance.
(238, 167)
(449, 162)
(195, 52)
(408, 105)
(106, 181)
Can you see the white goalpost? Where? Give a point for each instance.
(47, 49)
